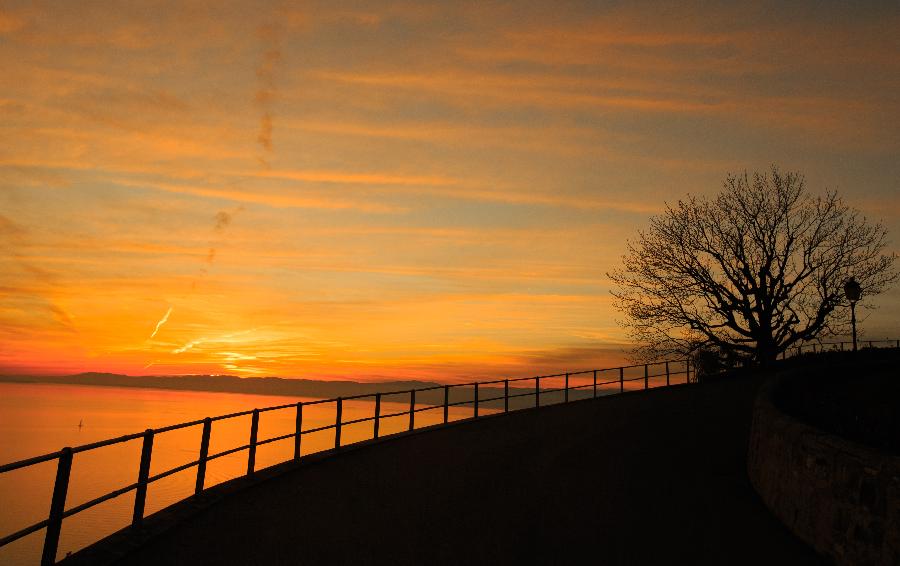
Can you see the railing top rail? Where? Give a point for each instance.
(29, 462)
(832, 343)
(277, 407)
(178, 426)
(107, 442)
(232, 415)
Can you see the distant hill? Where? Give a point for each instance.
(292, 387)
(226, 384)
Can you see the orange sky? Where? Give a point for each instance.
(377, 190)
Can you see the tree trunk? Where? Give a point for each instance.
(766, 351)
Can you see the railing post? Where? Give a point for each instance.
(667, 374)
(687, 369)
(621, 380)
(298, 431)
(646, 377)
(595, 384)
(505, 395)
(377, 415)
(566, 395)
(412, 409)
(57, 507)
(338, 421)
(475, 402)
(254, 431)
(204, 452)
(870, 344)
(140, 494)
(537, 391)
(446, 403)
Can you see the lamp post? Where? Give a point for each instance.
(853, 292)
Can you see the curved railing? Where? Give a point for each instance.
(818, 346)
(64, 457)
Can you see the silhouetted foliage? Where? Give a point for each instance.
(750, 272)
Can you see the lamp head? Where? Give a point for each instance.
(852, 290)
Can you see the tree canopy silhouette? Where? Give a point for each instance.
(750, 272)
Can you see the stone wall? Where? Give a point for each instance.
(841, 497)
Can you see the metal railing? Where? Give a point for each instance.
(817, 347)
(65, 457)
(670, 370)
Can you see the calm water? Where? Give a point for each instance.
(36, 419)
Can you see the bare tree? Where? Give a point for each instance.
(751, 272)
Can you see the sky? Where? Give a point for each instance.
(393, 190)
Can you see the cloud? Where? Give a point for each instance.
(10, 23)
(222, 220)
(162, 321)
(10, 229)
(223, 339)
(284, 198)
(13, 236)
(63, 317)
(188, 346)
(351, 178)
(266, 74)
(265, 131)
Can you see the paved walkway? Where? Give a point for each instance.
(675, 491)
(640, 479)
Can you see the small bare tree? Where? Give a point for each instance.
(751, 272)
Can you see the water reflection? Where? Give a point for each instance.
(36, 419)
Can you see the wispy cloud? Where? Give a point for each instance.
(10, 22)
(162, 321)
(229, 338)
(268, 197)
(269, 35)
(188, 345)
(14, 241)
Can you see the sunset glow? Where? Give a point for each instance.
(395, 190)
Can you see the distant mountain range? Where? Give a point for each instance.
(291, 387)
(226, 384)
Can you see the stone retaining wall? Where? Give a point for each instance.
(839, 496)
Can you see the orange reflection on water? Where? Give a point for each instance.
(39, 418)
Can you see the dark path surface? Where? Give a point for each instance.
(643, 478)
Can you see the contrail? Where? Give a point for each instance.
(270, 40)
(161, 322)
(223, 338)
(188, 346)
